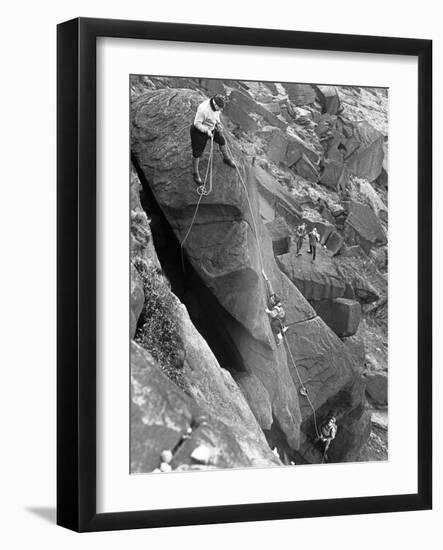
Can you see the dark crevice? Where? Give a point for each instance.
(206, 313)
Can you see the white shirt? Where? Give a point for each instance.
(206, 118)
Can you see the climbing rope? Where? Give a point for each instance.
(203, 191)
(303, 389)
(250, 209)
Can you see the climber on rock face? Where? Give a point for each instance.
(328, 431)
(206, 126)
(300, 234)
(314, 239)
(278, 315)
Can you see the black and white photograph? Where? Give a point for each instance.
(258, 274)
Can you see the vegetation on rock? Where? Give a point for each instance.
(157, 329)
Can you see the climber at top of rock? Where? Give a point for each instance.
(314, 238)
(328, 431)
(300, 234)
(207, 125)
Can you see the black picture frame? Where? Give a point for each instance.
(76, 280)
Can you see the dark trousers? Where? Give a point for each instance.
(312, 250)
(299, 244)
(199, 140)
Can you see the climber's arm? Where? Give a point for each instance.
(199, 119)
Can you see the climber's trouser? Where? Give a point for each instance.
(195, 171)
(299, 244)
(199, 140)
(312, 250)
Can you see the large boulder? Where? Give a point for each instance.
(334, 174)
(334, 242)
(228, 247)
(306, 169)
(329, 99)
(367, 161)
(215, 391)
(258, 397)
(243, 111)
(164, 418)
(341, 314)
(300, 94)
(316, 281)
(283, 203)
(363, 227)
(367, 283)
(297, 147)
(377, 387)
(280, 234)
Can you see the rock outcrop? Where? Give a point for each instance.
(316, 281)
(228, 247)
(208, 410)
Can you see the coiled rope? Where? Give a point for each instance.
(203, 191)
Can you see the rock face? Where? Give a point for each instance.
(213, 407)
(377, 387)
(329, 99)
(341, 314)
(242, 110)
(300, 94)
(228, 247)
(367, 160)
(165, 418)
(363, 227)
(318, 281)
(280, 235)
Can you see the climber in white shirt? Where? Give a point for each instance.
(207, 125)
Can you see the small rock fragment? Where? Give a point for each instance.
(201, 454)
(166, 456)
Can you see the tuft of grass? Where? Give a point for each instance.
(158, 331)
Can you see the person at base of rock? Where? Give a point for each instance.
(278, 315)
(206, 126)
(328, 431)
(300, 234)
(314, 239)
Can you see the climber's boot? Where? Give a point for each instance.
(226, 158)
(195, 172)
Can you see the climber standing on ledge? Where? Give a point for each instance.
(207, 125)
(300, 234)
(314, 238)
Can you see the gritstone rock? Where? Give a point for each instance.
(161, 413)
(316, 281)
(329, 99)
(334, 242)
(300, 94)
(306, 169)
(280, 235)
(367, 161)
(241, 106)
(222, 248)
(377, 387)
(363, 227)
(257, 396)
